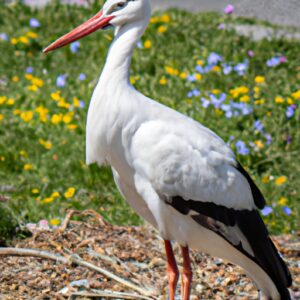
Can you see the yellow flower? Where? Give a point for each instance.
(70, 192)
(259, 144)
(23, 153)
(24, 40)
(47, 145)
(260, 79)
(216, 69)
(163, 81)
(198, 76)
(32, 35)
(259, 101)
(27, 167)
(147, 44)
(183, 75)
(162, 29)
(289, 101)
(72, 126)
(200, 62)
(216, 91)
(28, 76)
(55, 195)
(26, 116)
(256, 89)
(16, 112)
(171, 70)
(48, 200)
(236, 92)
(296, 95)
(15, 79)
(2, 158)
(265, 179)
(32, 88)
(56, 118)
(56, 96)
(10, 102)
(279, 100)
(154, 20)
(165, 18)
(245, 98)
(35, 191)
(280, 180)
(1, 117)
(14, 41)
(283, 201)
(54, 222)
(37, 81)
(67, 118)
(76, 102)
(2, 99)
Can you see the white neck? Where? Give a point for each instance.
(118, 60)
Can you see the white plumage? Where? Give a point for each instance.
(177, 174)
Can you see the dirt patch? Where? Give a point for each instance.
(134, 254)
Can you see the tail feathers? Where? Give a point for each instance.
(266, 254)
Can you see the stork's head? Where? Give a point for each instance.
(117, 13)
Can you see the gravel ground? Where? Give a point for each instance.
(133, 253)
(284, 12)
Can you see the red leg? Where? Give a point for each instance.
(186, 274)
(172, 269)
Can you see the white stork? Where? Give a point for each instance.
(177, 174)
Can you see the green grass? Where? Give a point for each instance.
(59, 165)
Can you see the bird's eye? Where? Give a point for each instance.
(118, 6)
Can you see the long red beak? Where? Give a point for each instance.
(93, 24)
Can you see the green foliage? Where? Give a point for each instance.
(42, 126)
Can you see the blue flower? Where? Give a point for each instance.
(287, 210)
(241, 68)
(205, 102)
(199, 69)
(227, 69)
(258, 126)
(241, 148)
(139, 45)
(3, 36)
(268, 138)
(75, 46)
(290, 111)
(273, 62)
(61, 80)
(214, 58)
(266, 210)
(191, 78)
(217, 101)
(34, 23)
(81, 104)
(82, 77)
(29, 70)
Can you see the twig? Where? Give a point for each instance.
(66, 221)
(75, 260)
(110, 294)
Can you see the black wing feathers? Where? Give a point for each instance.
(258, 197)
(223, 221)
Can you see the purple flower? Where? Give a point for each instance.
(82, 77)
(229, 9)
(3, 36)
(214, 58)
(75, 46)
(61, 80)
(290, 111)
(283, 59)
(250, 53)
(287, 210)
(34, 23)
(221, 26)
(288, 140)
(29, 70)
(139, 45)
(241, 148)
(268, 138)
(266, 210)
